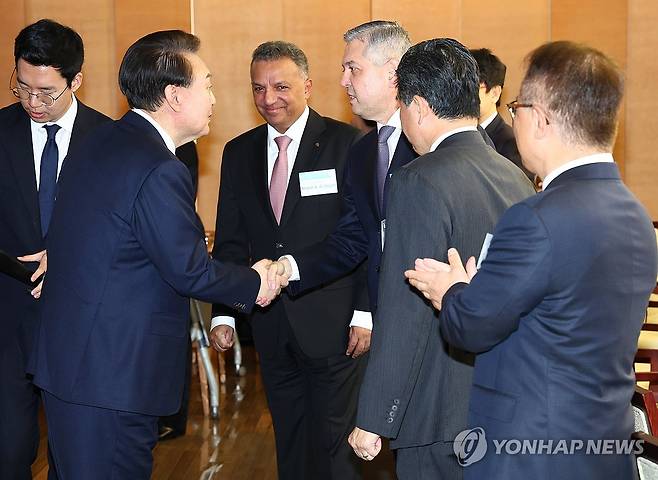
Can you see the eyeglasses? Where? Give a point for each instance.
(21, 93)
(513, 106)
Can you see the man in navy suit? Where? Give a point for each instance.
(49, 59)
(372, 53)
(125, 251)
(556, 308)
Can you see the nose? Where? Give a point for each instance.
(270, 96)
(213, 100)
(33, 101)
(345, 79)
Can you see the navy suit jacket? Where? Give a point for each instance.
(125, 250)
(556, 311)
(357, 234)
(20, 227)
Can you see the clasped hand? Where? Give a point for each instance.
(273, 277)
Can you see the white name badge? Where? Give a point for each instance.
(319, 182)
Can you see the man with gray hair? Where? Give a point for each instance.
(372, 53)
(281, 188)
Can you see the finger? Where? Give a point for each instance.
(351, 345)
(358, 350)
(471, 267)
(455, 259)
(34, 257)
(431, 265)
(272, 277)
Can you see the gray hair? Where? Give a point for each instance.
(384, 40)
(278, 49)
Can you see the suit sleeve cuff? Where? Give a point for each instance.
(361, 319)
(222, 320)
(295, 269)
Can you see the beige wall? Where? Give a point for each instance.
(230, 30)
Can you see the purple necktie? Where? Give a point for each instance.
(382, 162)
(279, 180)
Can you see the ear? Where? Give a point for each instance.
(541, 123)
(308, 86)
(422, 108)
(173, 97)
(495, 93)
(76, 82)
(392, 66)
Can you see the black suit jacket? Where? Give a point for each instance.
(502, 136)
(415, 390)
(247, 231)
(20, 227)
(358, 232)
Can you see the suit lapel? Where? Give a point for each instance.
(306, 160)
(22, 159)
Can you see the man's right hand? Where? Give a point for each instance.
(221, 337)
(279, 272)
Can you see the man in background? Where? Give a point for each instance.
(492, 79)
(35, 136)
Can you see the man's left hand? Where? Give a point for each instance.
(366, 445)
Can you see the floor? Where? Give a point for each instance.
(240, 445)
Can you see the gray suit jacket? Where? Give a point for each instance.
(416, 389)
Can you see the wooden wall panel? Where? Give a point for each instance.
(94, 21)
(423, 20)
(510, 29)
(11, 22)
(133, 20)
(603, 25)
(641, 173)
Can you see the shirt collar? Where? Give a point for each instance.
(394, 121)
(169, 142)
(451, 132)
(66, 121)
(595, 158)
(488, 120)
(295, 131)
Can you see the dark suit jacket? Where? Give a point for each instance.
(556, 309)
(504, 142)
(357, 234)
(125, 250)
(20, 227)
(415, 390)
(247, 231)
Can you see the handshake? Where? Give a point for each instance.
(274, 275)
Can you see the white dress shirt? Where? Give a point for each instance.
(62, 138)
(488, 120)
(295, 133)
(438, 141)
(595, 158)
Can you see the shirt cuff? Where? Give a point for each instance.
(361, 319)
(222, 320)
(295, 269)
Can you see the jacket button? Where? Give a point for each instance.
(396, 401)
(377, 269)
(394, 407)
(278, 245)
(389, 420)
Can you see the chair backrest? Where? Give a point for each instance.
(647, 461)
(645, 411)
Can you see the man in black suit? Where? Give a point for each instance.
(372, 53)
(48, 58)
(311, 386)
(415, 391)
(492, 80)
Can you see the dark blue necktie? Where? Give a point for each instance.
(48, 177)
(382, 162)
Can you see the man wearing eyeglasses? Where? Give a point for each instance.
(35, 136)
